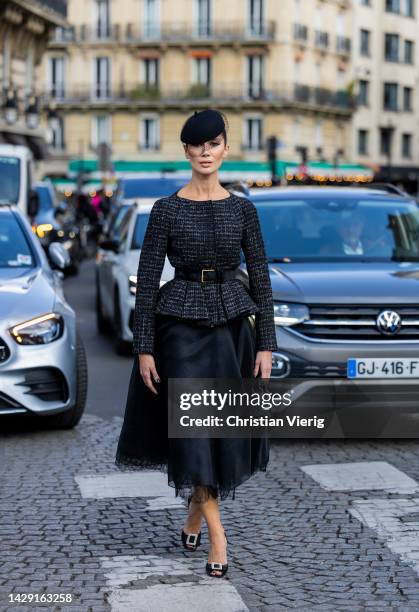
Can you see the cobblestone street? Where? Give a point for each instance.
(332, 524)
(73, 523)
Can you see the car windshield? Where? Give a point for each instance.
(116, 221)
(340, 229)
(9, 179)
(15, 251)
(139, 230)
(150, 188)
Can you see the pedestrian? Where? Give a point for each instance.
(198, 325)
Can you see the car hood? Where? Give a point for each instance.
(24, 294)
(340, 283)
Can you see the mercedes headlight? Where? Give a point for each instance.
(290, 314)
(41, 330)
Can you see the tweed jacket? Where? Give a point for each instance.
(203, 234)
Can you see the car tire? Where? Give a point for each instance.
(71, 417)
(122, 347)
(102, 324)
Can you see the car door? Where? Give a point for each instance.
(110, 261)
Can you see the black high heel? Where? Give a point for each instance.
(222, 567)
(190, 541)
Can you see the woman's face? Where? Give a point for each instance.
(207, 157)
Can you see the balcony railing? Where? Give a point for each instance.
(58, 6)
(174, 32)
(279, 94)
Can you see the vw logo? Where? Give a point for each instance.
(389, 322)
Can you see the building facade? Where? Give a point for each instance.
(25, 29)
(385, 65)
(129, 72)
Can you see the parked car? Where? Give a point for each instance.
(43, 369)
(116, 276)
(55, 222)
(16, 178)
(344, 266)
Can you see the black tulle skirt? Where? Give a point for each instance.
(207, 466)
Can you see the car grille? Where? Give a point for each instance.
(357, 323)
(4, 351)
(47, 384)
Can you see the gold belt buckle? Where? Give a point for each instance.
(205, 270)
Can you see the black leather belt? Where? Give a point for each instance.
(206, 274)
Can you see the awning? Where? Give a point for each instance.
(38, 146)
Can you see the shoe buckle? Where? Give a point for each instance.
(191, 538)
(215, 565)
(205, 270)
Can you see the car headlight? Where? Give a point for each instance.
(41, 330)
(43, 228)
(290, 314)
(132, 284)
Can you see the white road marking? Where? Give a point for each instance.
(362, 475)
(131, 484)
(385, 517)
(203, 595)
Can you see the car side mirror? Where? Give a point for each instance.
(58, 256)
(33, 203)
(110, 244)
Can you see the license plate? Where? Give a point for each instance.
(383, 368)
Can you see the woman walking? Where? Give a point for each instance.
(198, 325)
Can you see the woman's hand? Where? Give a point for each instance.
(263, 363)
(147, 370)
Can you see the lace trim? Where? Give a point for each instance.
(185, 488)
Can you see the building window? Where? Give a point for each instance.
(364, 93)
(365, 2)
(149, 74)
(151, 24)
(57, 133)
(55, 78)
(103, 29)
(393, 6)
(386, 138)
(255, 67)
(256, 17)
(390, 96)
(408, 51)
(203, 17)
(149, 132)
(365, 42)
(409, 8)
(406, 145)
(102, 88)
(363, 142)
(101, 130)
(407, 99)
(202, 71)
(253, 133)
(391, 47)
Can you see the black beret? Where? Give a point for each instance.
(202, 126)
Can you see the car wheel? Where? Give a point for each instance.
(70, 418)
(102, 323)
(122, 347)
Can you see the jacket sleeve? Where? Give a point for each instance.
(259, 279)
(150, 266)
